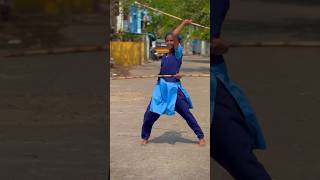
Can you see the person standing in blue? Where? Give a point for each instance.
(235, 131)
(169, 95)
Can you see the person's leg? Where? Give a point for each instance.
(232, 143)
(149, 119)
(182, 108)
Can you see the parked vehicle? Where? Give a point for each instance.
(159, 49)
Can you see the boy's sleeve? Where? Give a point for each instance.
(218, 12)
(178, 52)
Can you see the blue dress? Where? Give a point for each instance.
(164, 94)
(218, 71)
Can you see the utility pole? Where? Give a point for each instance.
(114, 12)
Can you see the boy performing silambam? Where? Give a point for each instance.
(169, 96)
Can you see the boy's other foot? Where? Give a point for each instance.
(202, 142)
(144, 142)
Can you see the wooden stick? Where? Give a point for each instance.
(310, 44)
(302, 44)
(175, 17)
(63, 50)
(158, 76)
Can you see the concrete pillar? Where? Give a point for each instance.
(147, 47)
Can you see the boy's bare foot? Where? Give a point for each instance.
(202, 142)
(144, 142)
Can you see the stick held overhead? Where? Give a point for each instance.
(170, 15)
(158, 76)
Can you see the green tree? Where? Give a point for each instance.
(198, 11)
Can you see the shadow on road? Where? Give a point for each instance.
(172, 137)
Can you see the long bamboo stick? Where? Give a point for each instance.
(65, 50)
(156, 76)
(175, 17)
(53, 51)
(310, 44)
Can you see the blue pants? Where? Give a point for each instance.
(231, 144)
(181, 107)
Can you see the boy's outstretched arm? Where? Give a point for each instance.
(177, 31)
(219, 10)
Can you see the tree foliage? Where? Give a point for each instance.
(198, 11)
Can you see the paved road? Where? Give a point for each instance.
(173, 152)
(53, 117)
(282, 85)
(258, 20)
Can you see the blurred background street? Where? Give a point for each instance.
(53, 107)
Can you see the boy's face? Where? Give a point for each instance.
(169, 41)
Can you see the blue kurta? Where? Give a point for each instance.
(164, 94)
(218, 71)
